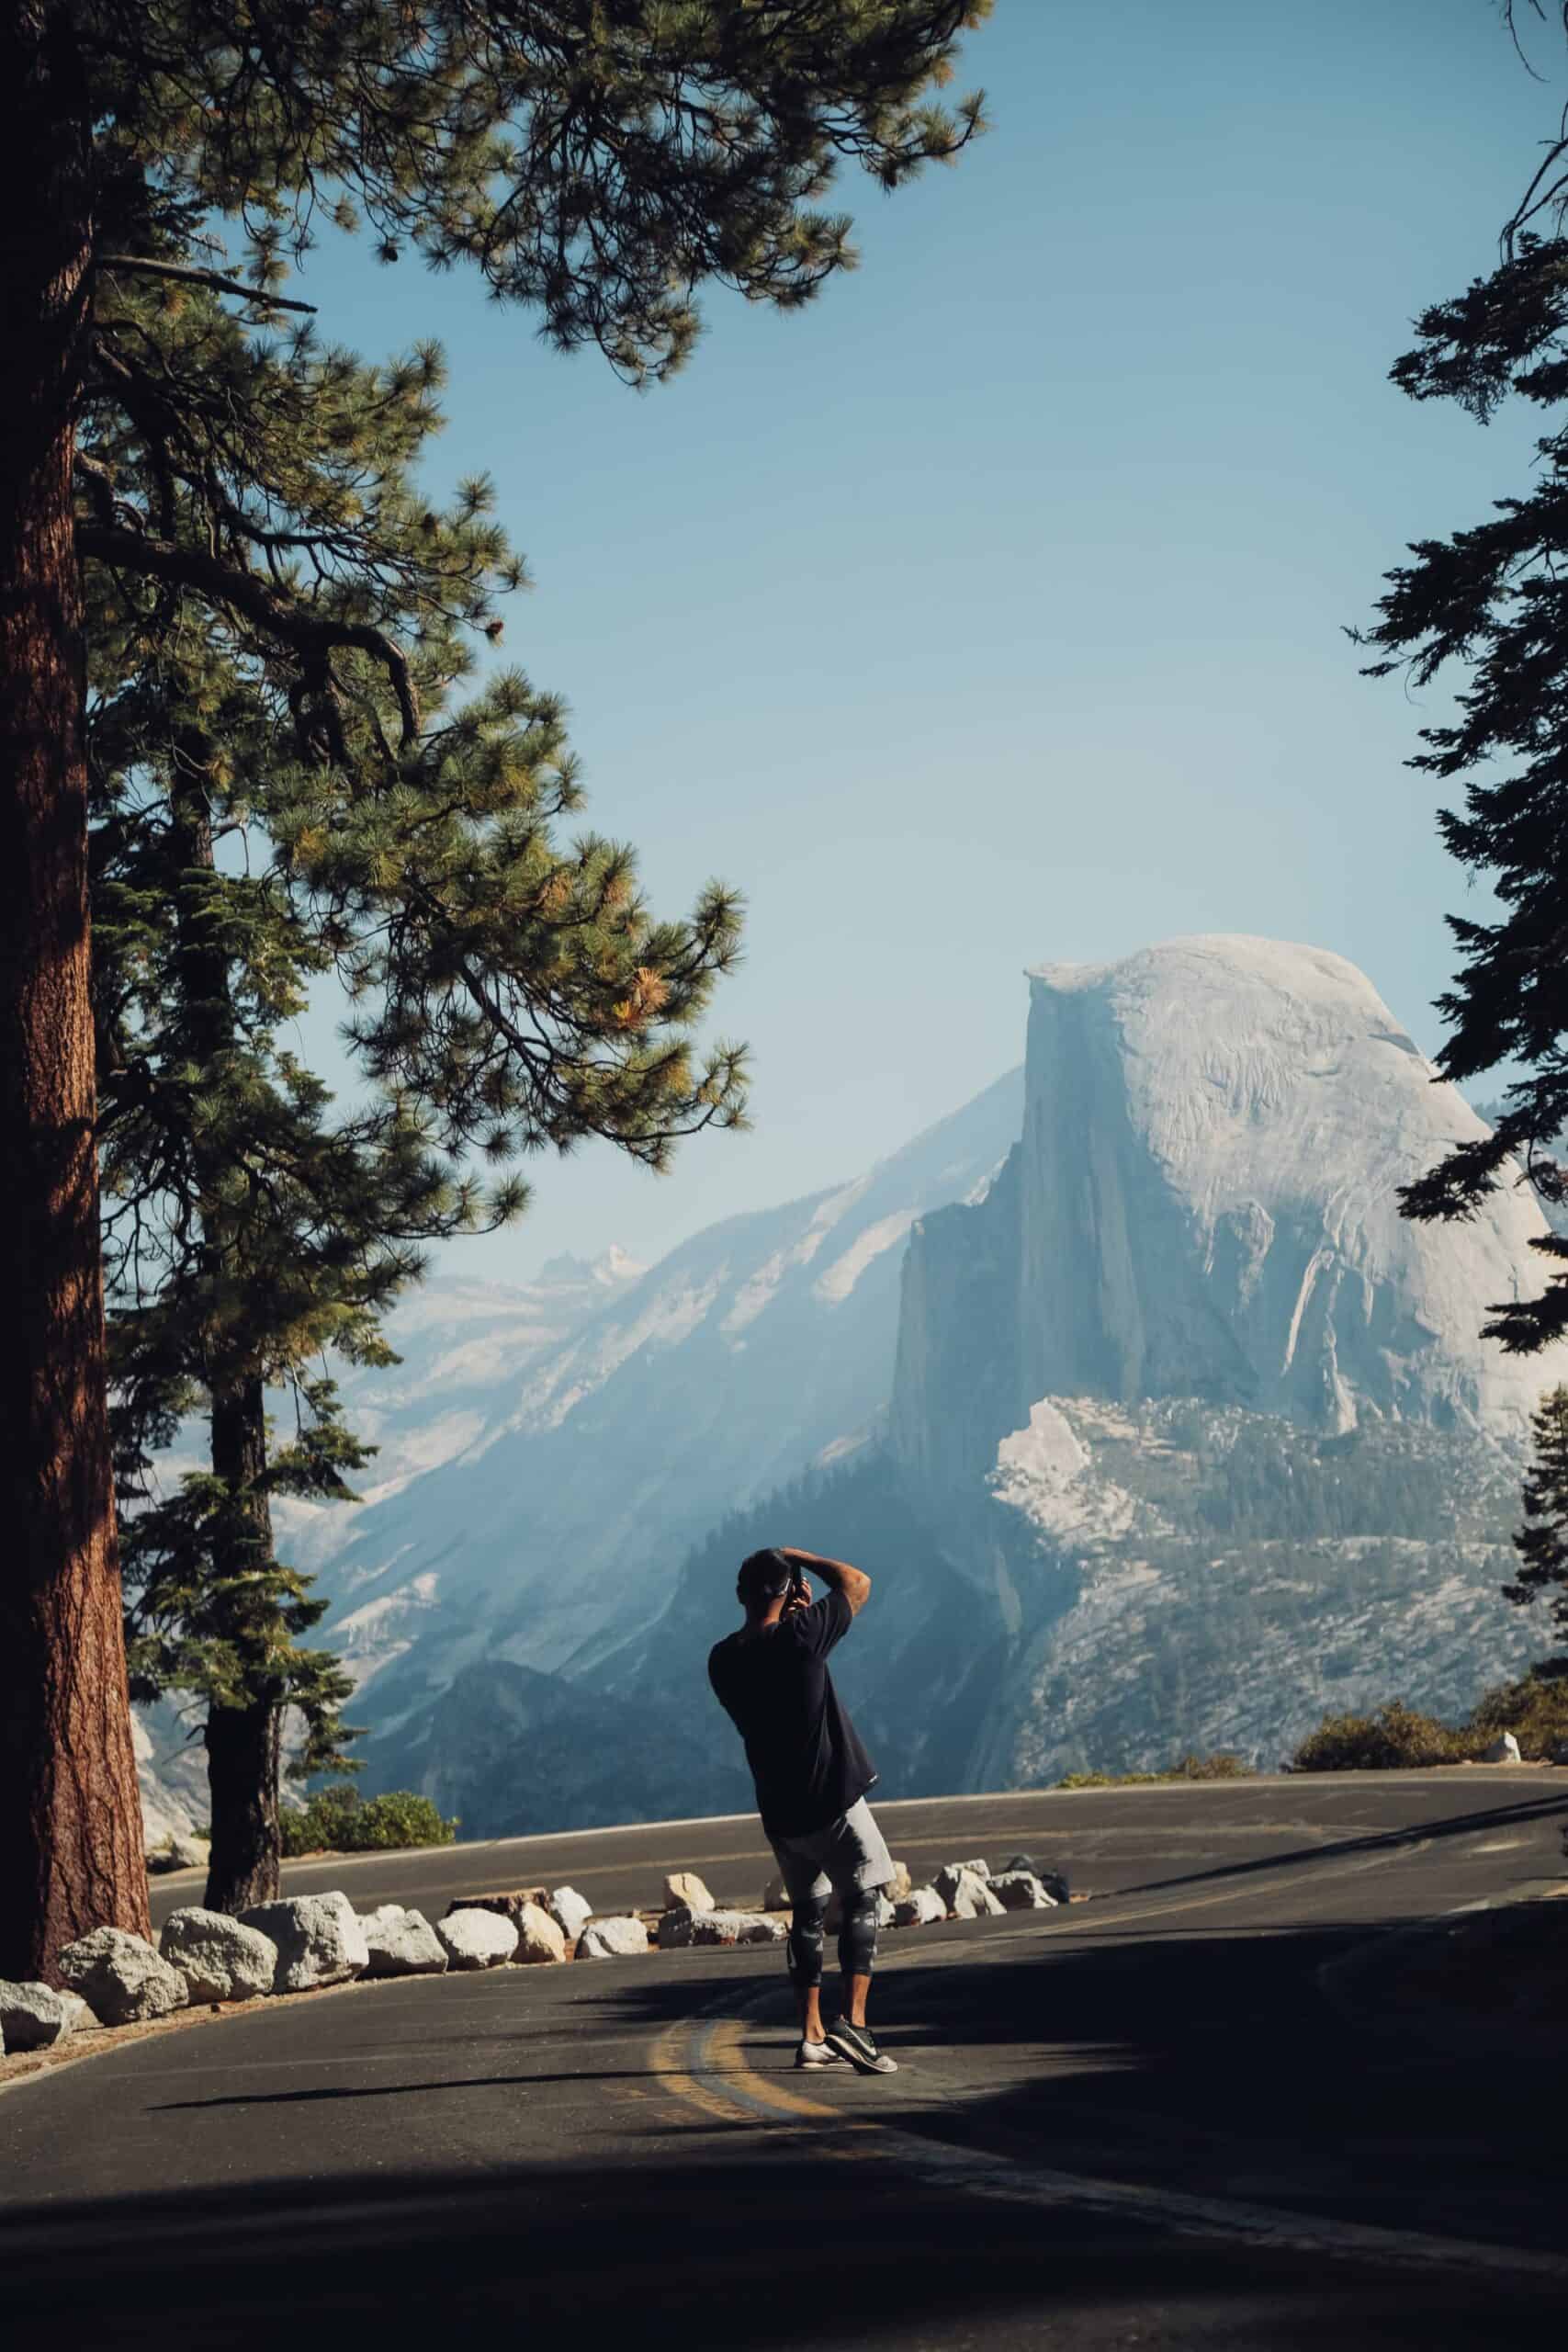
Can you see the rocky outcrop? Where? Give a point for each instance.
(614, 1939)
(921, 1907)
(683, 1890)
(511, 1903)
(34, 2017)
(1054, 1882)
(1204, 1203)
(569, 1910)
(178, 1852)
(950, 1878)
(965, 1895)
(221, 1959)
(1020, 1890)
(318, 1940)
(682, 1925)
(121, 1978)
(540, 1937)
(401, 1942)
(478, 1938)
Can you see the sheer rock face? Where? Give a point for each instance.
(1204, 1203)
(665, 1398)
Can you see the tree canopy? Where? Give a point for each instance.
(235, 486)
(1490, 601)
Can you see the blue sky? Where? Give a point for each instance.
(992, 610)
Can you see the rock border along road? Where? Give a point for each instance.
(1137, 2119)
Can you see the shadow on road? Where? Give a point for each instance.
(697, 2245)
(1211, 2064)
(1207, 2063)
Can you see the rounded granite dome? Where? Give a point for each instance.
(1216, 1132)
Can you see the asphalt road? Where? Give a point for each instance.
(1148, 2119)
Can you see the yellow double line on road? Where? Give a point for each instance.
(702, 2060)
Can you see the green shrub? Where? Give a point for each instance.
(1395, 1739)
(339, 1820)
(1535, 1710)
(1220, 1766)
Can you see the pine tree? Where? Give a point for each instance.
(511, 994)
(1542, 1542)
(1490, 598)
(245, 1235)
(596, 164)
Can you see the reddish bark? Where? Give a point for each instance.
(71, 1854)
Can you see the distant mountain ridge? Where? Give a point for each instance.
(1193, 1437)
(1157, 1424)
(581, 1433)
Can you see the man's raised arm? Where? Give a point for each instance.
(853, 1583)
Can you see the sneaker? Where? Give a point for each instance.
(816, 2053)
(855, 2042)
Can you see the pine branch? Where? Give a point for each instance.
(183, 274)
(310, 636)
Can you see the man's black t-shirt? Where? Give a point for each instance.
(806, 1758)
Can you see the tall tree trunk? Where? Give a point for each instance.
(243, 1743)
(245, 1760)
(71, 1854)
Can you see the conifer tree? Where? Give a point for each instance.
(247, 1234)
(1489, 599)
(510, 994)
(1542, 1542)
(596, 164)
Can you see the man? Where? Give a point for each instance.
(811, 1776)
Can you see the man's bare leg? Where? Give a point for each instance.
(811, 2013)
(855, 1991)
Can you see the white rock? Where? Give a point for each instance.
(899, 1885)
(611, 1939)
(1021, 1891)
(401, 1942)
(683, 1890)
(980, 1869)
(477, 1938)
(540, 1937)
(33, 2016)
(678, 1926)
(919, 1908)
(81, 2017)
(178, 1851)
(219, 1958)
(121, 1977)
(949, 1879)
(569, 1910)
(885, 1897)
(1504, 1749)
(683, 1926)
(318, 1940)
(966, 1896)
(1054, 1882)
(761, 1928)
